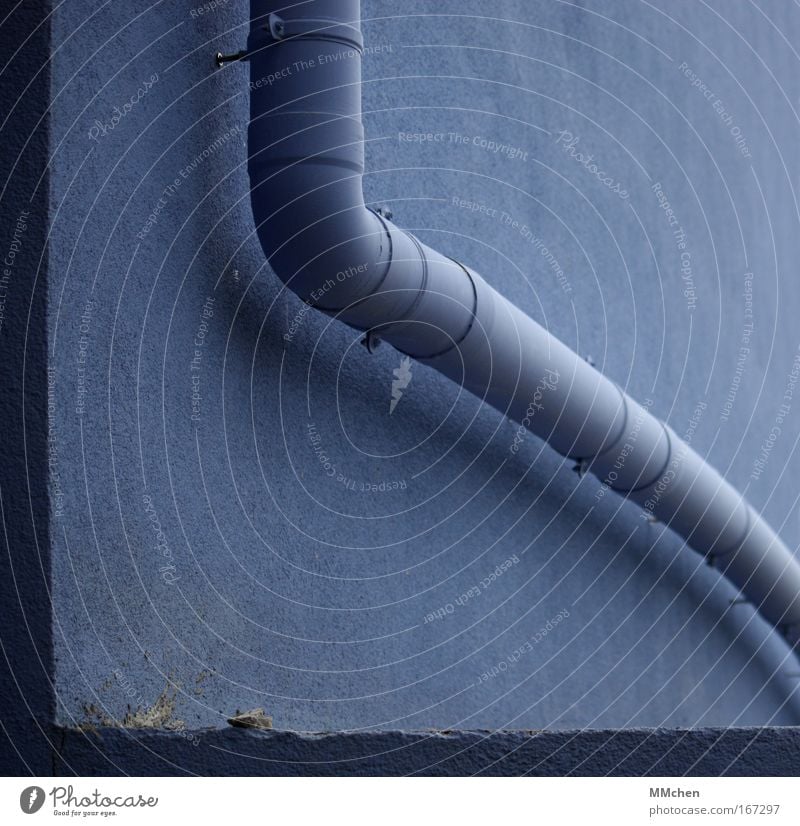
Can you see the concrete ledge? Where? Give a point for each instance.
(634, 752)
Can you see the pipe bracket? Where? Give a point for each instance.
(371, 341)
(278, 30)
(581, 467)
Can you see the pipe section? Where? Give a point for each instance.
(306, 161)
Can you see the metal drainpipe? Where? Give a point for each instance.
(306, 160)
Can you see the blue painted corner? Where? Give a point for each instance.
(210, 503)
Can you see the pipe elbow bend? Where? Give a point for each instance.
(306, 162)
(308, 206)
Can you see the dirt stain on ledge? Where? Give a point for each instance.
(159, 715)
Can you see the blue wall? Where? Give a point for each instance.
(200, 545)
(27, 699)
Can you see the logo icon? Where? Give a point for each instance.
(31, 799)
(402, 378)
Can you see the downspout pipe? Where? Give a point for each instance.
(306, 161)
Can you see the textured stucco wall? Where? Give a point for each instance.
(273, 584)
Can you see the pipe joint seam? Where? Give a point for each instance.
(293, 138)
(742, 539)
(385, 261)
(407, 316)
(662, 470)
(622, 431)
(456, 342)
(477, 337)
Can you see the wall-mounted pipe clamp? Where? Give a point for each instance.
(280, 30)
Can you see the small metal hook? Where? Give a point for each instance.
(221, 59)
